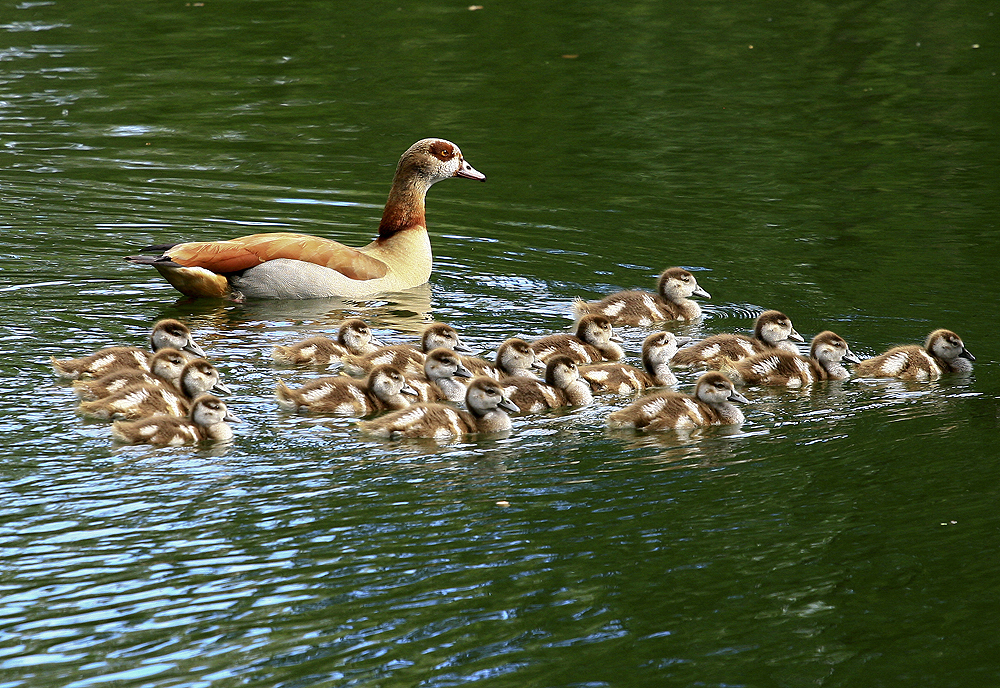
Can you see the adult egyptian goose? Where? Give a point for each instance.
(593, 341)
(207, 421)
(384, 388)
(144, 399)
(711, 404)
(168, 333)
(353, 337)
(621, 378)
(780, 368)
(672, 301)
(409, 358)
(165, 368)
(772, 330)
(563, 386)
(942, 352)
(487, 413)
(284, 265)
(441, 381)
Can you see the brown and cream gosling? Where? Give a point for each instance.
(711, 404)
(353, 337)
(942, 352)
(621, 378)
(438, 383)
(145, 399)
(165, 368)
(384, 388)
(207, 420)
(516, 358)
(672, 301)
(167, 333)
(563, 386)
(408, 358)
(593, 341)
(487, 413)
(772, 330)
(779, 368)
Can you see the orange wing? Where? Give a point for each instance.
(245, 252)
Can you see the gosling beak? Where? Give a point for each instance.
(409, 390)
(462, 348)
(965, 354)
(736, 396)
(698, 291)
(230, 418)
(467, 171)
(681, 341)
(508, 405)
(220, 387)
(795, 336)
(850, 357)
(462, 371)
(193, 347)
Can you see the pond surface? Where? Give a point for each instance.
(836, 161)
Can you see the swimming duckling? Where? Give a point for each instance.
(779, 368)
(384, 388)
(563, 386)
(353, 337)
(167, 333)
(206, 421)
(621, 378)
(408, 358)
(438, 383)
(772, 329)
(516, 358)
(145, 399)
(711, 404)
(672, 301)
(942, 352)
(487, 413)
(594, 341)
(165, 368)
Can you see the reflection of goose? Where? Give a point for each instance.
(780, 368)
(487, 413)
(942, 352)
(672, 301)
(772, 329)
(284, 265)
(711, 404)
(167, 333)
(207, 421)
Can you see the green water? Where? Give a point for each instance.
(837, 161)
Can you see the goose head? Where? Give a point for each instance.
(774, 327)
(208, 410)
(485, 395)
(168, 364)
(442, 363)
(659, 347)
(386, 382)
(174, 334)
(947, 346)
(715, 389)
(677, 284)
(516, 356)
(355, 336)
(200, 376)
(441, 335)
(830, 349)
(597, 330)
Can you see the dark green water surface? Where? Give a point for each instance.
(838, 161)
